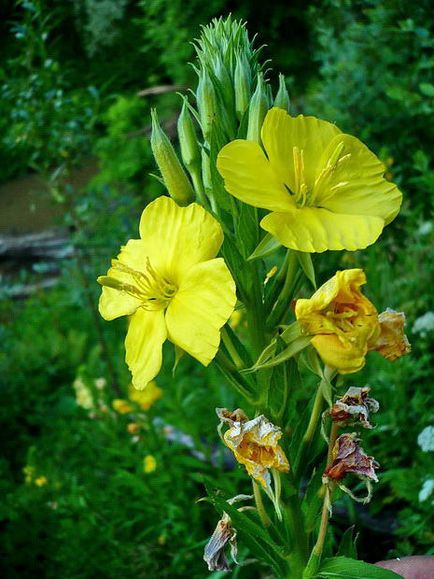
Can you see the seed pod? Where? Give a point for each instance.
(172, 172)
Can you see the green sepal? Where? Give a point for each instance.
(352, 569)
(347, 546)
(267, 246)
(179, 352)
(305, 261)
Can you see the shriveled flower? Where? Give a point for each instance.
(349, 457)
(392, 343)
(342, 321)
(325, 189)
(147, 397)
(214, 554)
(354, 406)
(172, 287)
(254, 444)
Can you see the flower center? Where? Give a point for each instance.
(322, 186)
(151, 288)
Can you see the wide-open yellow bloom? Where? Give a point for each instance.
(172, 287)
(325, 189)
(343, 322)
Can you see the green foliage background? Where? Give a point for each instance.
(70, 74)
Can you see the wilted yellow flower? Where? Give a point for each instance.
(122, 406)
(41, 481)
(325, 189)
(172, 287)
(149, 464)
(254, 444)
(392, 343)
(145, 398)
(349, 457)
(342, 321)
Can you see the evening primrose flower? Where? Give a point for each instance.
(121, 406)
(149, 464)
(147, 397)
(343, 322)
(172, 287)
(254, 444)
(325, 189)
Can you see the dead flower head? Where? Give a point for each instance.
(349, 457)
(214, 554)
(254, 444)
(354, 406)
(392, 342)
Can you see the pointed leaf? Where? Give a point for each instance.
(267, 246)
(306, 264)
(352, 569)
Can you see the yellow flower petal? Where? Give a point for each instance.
(356, 183)
(114, 303)
(202, 305)
(281, 133)
(250, 177)
(179, 237)
(146, 335)
(313, 229)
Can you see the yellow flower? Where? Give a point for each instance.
(83, 396)
(343, 322)
(29, 473)
(133, 428)
(145, 398)
(149, 464)
(172, 287)
(325, 189)
(392, 342)
(122, 406)
(41, 481)
(254, 444)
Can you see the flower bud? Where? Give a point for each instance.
(190, 152)
(282, 96)
(206, 103)
(242, 85)
(257, 110)
(174, 177)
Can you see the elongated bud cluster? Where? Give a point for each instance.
(172, 172)
(259, 106)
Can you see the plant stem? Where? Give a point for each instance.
(315, 558)
(265, 519)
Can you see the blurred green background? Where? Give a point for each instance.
(93, 490)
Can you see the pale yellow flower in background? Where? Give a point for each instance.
(254, 444)
(149, 464)
(392, 342)
(343, 322)
(29, 473)
(147, 397)
(83, 395)
(122, 406)
(324, 189)
(172, 286)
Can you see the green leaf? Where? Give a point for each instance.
(427, 89)
(353, 569)
(294, 348)
(247, 228)
(347, 546)
(306, 264)
(267, 246)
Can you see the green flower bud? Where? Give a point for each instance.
(190, 152)
(258, 109)
(172, 172)
(243, 83)
(282, 96)
(206, 103)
